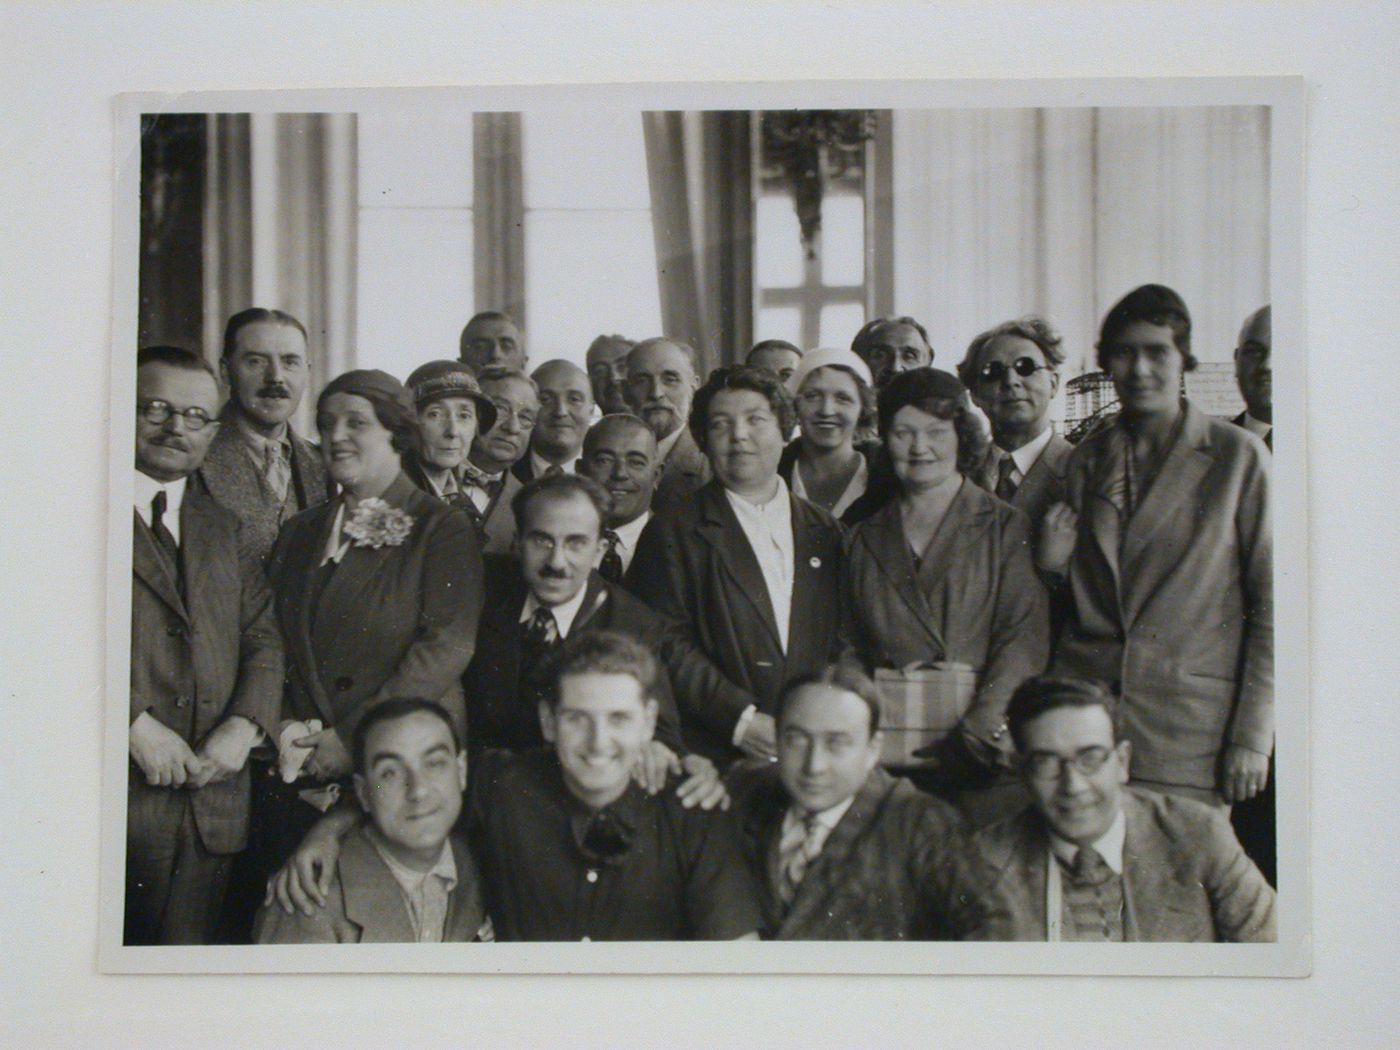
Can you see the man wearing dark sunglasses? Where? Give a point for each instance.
(1092, 859)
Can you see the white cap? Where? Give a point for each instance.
(826, 357)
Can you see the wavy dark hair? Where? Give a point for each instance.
(1155, 304)
(1043, 693)
(740, 377)
(940, 394)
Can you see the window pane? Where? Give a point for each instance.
(778, 322)
(843, 240)
(840, 323)
(778, 247)
(413, 287)
(582, 159)
(415, 160)
(588, 273)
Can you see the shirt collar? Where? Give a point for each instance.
(408, 878)
(1257, 426)
(259, 442)
(336, 544)
(828, 818)
(1024, 457)
(564, 614)
(145, 489)
(539, 465)
(449, 486)
(1109, 846)
(769, 510)
(628, 534)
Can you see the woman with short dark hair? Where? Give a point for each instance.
(942, 573)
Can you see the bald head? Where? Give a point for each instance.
(566, 403)
(1253, 365)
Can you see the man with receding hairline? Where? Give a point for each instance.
(662, 377)
(1255, 375)
(566, 405)
(606, 362)
(491, 339)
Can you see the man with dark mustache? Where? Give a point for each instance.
(257, 466)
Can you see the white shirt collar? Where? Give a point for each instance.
(778, 502)
(408, 878)
(627, 535)
(1257, 426)
(539, 465)
(564, 614)
(144, 492)
(828, 818)
(336, 545)
(1024, 457)
(1109, 845)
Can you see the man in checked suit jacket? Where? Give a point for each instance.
(1094, 860)
(206, 665)
(843, 850)
(749, 571)
(264, 364)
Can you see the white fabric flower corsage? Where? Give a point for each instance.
(376, 524)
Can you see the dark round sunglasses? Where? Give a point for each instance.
(995, 371)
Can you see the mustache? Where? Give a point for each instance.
(548, 572)
(274, 390)
(171, 441)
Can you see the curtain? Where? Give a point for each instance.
(280, 231)
(699, 168)
(499, 214)
(1061, 211)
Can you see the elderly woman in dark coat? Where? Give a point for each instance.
(942, 572)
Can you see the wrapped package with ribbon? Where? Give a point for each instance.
(919, 705)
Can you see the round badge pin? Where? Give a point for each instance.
(815, 562)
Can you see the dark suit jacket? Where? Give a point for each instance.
(684, 471)
(1268, 438)
(365, 904)
(1185, 877)
(883, 873)
(502, 696)
(230, 476)
(524, 468)
(694, 565)
(1181, 617)
(393, 622)
(988, 609)
(200, 659)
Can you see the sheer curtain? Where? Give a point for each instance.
(280, 231)
(699, 166)
(1062, 211)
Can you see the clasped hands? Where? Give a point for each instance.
(167, 761)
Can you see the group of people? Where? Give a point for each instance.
(609, 654)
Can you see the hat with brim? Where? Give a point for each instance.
(370, 384)
(441, 379)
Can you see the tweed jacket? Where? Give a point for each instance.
(975, 600)
(684, 471)
(366, 905)
(694, 566)
(884, 872)
(1043, 485)
(502, 695)
(496, 526)
(201, 658)
(399, 621)
(1179, 615)
(1185, 876)
(230, 476)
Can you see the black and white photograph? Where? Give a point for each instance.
(571, 524)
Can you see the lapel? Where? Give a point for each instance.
(960, 531)
(883, 536)
(1048, 469)
(227, 471)
(1018, 852)
(1143, 563)
(833, 863)
(595, 597)
(720, 528)
(462, 924)
(199, 540)
(811, 550)
(338, 601)
(1151, 890)
(304, 552)
(148, 564)
(373, 900)
(308, 472)
(762, 829)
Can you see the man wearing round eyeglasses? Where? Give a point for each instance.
(206, 664)
(1092, 859)
(1012, 371)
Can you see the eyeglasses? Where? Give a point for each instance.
(995, 371)
(158, 412)
(1046, 765)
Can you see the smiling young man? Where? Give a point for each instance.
(570, 846)
(1092, 859)
(748, 571)
(843, 850)
(257, 466)
(401, 875)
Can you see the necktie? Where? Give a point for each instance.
(163, 535)
(611, 565)
(1006, 487)
(276, 470)
(541, 633)
(1089, 868)
(799, 847)
(433, 916)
